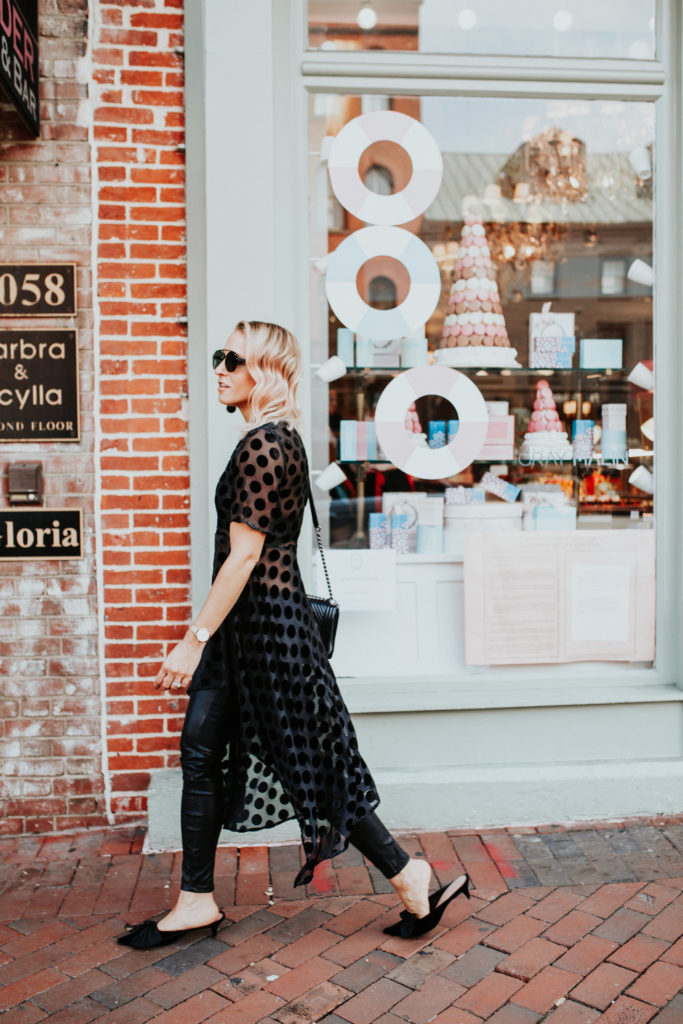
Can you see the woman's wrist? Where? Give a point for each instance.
(191, 640)
(199, 633)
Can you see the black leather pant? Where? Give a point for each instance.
(205, 735)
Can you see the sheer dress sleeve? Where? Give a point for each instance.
(258, 474)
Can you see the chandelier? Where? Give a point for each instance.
(548, 168)
(518, 244)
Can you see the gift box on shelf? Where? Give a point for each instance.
(465, 496)
(378, 353)
(500, 437)
(348, 440)
(414, 351)
(357, 440)
(429, 539)
(408, 504)
(547, 518)
(459, 520)
(582, 440)
(437, 433)
(613, 445)
(535, 496)
(552, 341)
(601, 353)
(552, 353)
(345, 345)
(501, 488)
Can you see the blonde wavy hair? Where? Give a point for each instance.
(274, 361)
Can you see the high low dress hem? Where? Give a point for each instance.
(291, 748)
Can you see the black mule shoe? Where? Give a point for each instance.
(146, 935)
(410, 926)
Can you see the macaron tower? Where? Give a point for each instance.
(545, 439)
(474, 332)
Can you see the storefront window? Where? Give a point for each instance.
(532, 260)
(570, 28)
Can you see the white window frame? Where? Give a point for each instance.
(249, 78)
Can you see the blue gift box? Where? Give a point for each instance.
(548, 518)
(348, 440)
(345, 345)
(613, 445)
(601, 353)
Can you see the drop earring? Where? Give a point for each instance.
(230, 408)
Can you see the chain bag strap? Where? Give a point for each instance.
(325, 609)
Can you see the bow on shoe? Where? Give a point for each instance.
(146, 933)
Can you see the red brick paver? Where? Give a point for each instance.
(513, 954)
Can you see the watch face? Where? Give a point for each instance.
(202, 634)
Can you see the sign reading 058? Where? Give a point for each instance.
(37, 289)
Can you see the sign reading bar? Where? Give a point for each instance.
(45, 533)
(39, 385)
(32, 289)
(19, 58)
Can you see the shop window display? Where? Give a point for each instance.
(485, 299)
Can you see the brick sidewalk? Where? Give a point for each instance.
(571, 925)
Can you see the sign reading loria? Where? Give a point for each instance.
(38, 385)
(19, 58)
(40, 533)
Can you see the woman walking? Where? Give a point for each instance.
(267, 736)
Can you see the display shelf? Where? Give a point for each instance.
(617, 467)
(607, 373)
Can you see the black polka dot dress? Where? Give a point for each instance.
(292, 750)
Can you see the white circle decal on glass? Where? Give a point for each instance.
(400, 445)
(383, 324)
(385, 126)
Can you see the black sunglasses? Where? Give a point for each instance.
(232, 360)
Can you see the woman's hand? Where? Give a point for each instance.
(180, 664)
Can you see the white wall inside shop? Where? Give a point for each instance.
(447, 748)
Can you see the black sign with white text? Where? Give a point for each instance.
(19, 58)
(41, 533)
(39, 386)
(33, 289)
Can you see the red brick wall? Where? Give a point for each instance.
(106, 177)
(50, 753)
(139, 156)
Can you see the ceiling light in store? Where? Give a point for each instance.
(648, 429)
(562, 21)
(467, 19)
(331, 476)
(367, 16)
(641, 162)
(642, 273)
(642, 376)
(642, 479)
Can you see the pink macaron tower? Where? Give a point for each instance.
(544, 418)
(545, 439)
(412, 420)
(475, 319)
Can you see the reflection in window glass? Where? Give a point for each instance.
(568, 28)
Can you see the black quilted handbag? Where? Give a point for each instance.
(325, 609)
